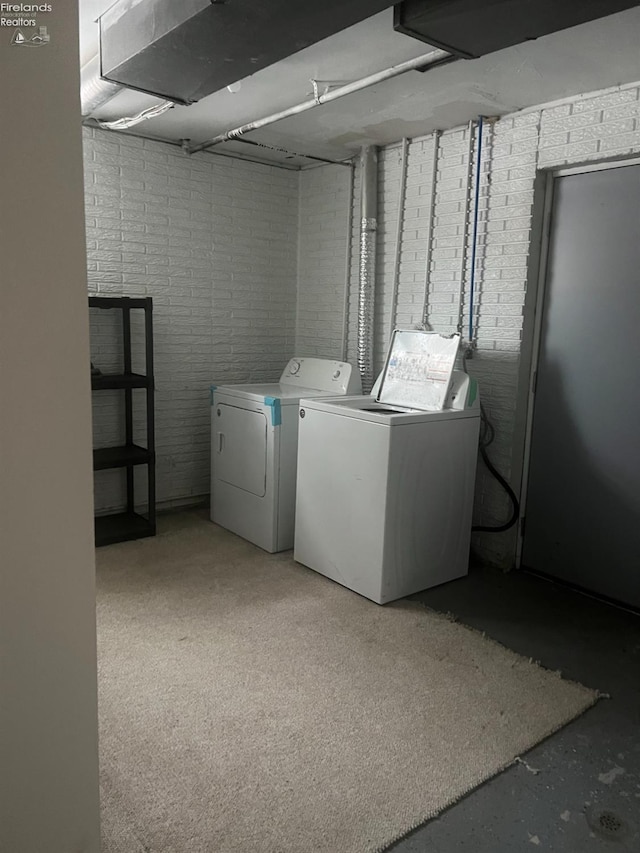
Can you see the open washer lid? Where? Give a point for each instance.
(418, 369)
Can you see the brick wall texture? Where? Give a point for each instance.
(248, 265)
(590, 128)
(214, 241)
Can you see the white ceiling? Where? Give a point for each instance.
(591, 56)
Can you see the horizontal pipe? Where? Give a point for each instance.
(180, 143)
(289, 153)
(432, 59)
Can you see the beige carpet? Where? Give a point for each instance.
(249, 705)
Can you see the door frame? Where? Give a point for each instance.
(532, 319)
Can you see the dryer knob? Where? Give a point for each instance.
(295, 367)
(336, 375)
(302, 413)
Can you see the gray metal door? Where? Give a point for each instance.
(583, 498)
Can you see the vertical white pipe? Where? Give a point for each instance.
(432, 207)
(398, 250)
(367, 272)
(465, 230)
(347, 279)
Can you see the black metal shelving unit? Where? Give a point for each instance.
(121, 526)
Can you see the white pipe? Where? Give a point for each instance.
(322, 160)
(432, 208)
(398, 250)
(367, 271)
(347, 280)
(465, 231)
(435, 57)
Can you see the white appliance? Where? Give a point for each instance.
(254, 443)
(385, 492)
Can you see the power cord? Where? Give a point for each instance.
(487, 435)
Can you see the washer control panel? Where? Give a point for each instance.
(322, 374)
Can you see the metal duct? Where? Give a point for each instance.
(94, 90)
(471, 29)
(184, 51)
(367, 270)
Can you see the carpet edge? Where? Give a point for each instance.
(591, 700)
(455, 620)
(388, 847)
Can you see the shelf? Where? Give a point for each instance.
(119, 302)
(121, 527)
(104, 381)
(120, 457)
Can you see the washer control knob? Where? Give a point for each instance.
(302, 413)
(336, 375)
(295, 367)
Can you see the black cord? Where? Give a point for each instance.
(487, 435)
(512, 495)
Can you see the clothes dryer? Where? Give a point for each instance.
(254, 442)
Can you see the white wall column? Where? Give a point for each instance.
(48, 725)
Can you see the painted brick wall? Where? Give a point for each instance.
(322, 260)
(588, 128)
(214, 241)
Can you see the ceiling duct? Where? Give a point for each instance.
(94, 91)
(187, 50)
(471, 29)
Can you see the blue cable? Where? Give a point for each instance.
(475, 230)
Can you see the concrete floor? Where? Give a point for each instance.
(585, 795)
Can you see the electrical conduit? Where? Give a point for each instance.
(474, 241)
(398, 250)
(429, 240)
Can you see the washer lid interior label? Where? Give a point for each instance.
(417, 373)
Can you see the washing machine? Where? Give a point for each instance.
(254, 443)
(386, 483)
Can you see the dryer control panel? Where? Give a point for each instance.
(322, 374)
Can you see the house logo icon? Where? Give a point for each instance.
(37, 40)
